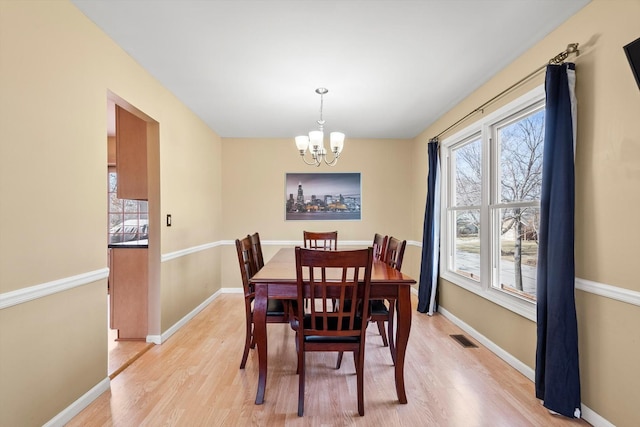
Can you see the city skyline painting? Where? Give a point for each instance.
(322, 196)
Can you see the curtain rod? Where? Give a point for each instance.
(558, 59)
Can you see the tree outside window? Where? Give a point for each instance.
(520, 145)
(466, 207)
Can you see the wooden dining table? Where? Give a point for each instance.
(277, 279)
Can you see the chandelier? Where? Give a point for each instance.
(315, 141)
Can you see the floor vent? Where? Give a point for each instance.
(464, 341)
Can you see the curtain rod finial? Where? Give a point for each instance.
(573, 48)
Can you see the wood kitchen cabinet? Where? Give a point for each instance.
(131, 155)
(128, 287)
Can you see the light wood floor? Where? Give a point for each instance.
(123, 353)
(193, 379)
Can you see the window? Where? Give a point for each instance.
(128, 219)
(465, 209)
(492, 176)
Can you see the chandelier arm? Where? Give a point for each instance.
(332, 162)
(313, 163)
(309, 163)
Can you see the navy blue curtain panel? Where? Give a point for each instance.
(557, 366)
(430, 236)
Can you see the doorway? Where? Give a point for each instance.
(133, 305)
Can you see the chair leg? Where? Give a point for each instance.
(358, 356)
(339, 362)
(383, 334)
(301, 383)
(248, 342)
(392, 341)
(298, 354)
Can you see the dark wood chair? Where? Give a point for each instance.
(321, 240)
(277, 311)
(379, 245)
(379, 311)
(256, 246)
(326, 240)
(394, 253)
(322, 276)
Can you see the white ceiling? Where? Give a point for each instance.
(250, 68)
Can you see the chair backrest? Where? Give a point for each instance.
(247, 263)
(326, 240)
(256, 247)
(395, 252)
(379, 246)
(336, 277)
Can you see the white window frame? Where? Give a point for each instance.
(489, 243)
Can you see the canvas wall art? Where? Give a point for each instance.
(323, 196)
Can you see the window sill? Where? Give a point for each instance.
(526, 309)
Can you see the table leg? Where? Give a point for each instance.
(392, 333)
(260, 337)
(402, 338)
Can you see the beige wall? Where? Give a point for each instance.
(52, 351)
(254, 194)
(56, 68)
(607, 175)
(187, 281)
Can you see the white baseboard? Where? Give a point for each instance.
(156, 339)
(588, 415)
(159, 339)
(76, 407)
(501, 353)
(593, 418)
(179, 324)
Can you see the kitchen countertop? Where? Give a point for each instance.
(130, 244)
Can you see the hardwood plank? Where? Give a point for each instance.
(193, 379)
